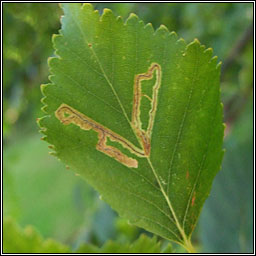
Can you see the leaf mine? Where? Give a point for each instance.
(66, 114)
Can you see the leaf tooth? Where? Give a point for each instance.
(208, 51)
(43, 138)
(214, 60)
(119, 19)
(141, 22)
(173, 33)
(107, 14)
(56, 40)
(43, 131)
(52, 62)
(218, 66)
(192, 44)
(149, 27)
(44, 107)
(132, 19)
(43, 87)
(51, 147)
(196, 41)
(162, 31)
(39, 120)
(53, 153)
(87, 6)
(202, 47)
(62, 21)
(55, 36)
(164, 28)
(180, 40)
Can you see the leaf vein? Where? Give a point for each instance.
(147, 201)
(181, 127)
(83, 60)
(89, 92)
(200, 169)
(162, 226)
(103, 71)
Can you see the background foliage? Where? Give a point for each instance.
(40, 191)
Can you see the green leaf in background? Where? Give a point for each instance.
(143, 244)
(226, 223)
(137, 113)
(16, 240)
(53, 209)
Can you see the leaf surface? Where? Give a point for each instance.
(137, 113)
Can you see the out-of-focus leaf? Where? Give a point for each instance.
(226, 224)
(165, 148)
(16, 240)
(40, 191)
(144, 244)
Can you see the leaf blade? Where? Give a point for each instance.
(147, 195)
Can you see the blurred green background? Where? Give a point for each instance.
(39, 190)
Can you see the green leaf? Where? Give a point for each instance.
(143, 244)
(50, 199)
(151, 154)
(16, 240)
